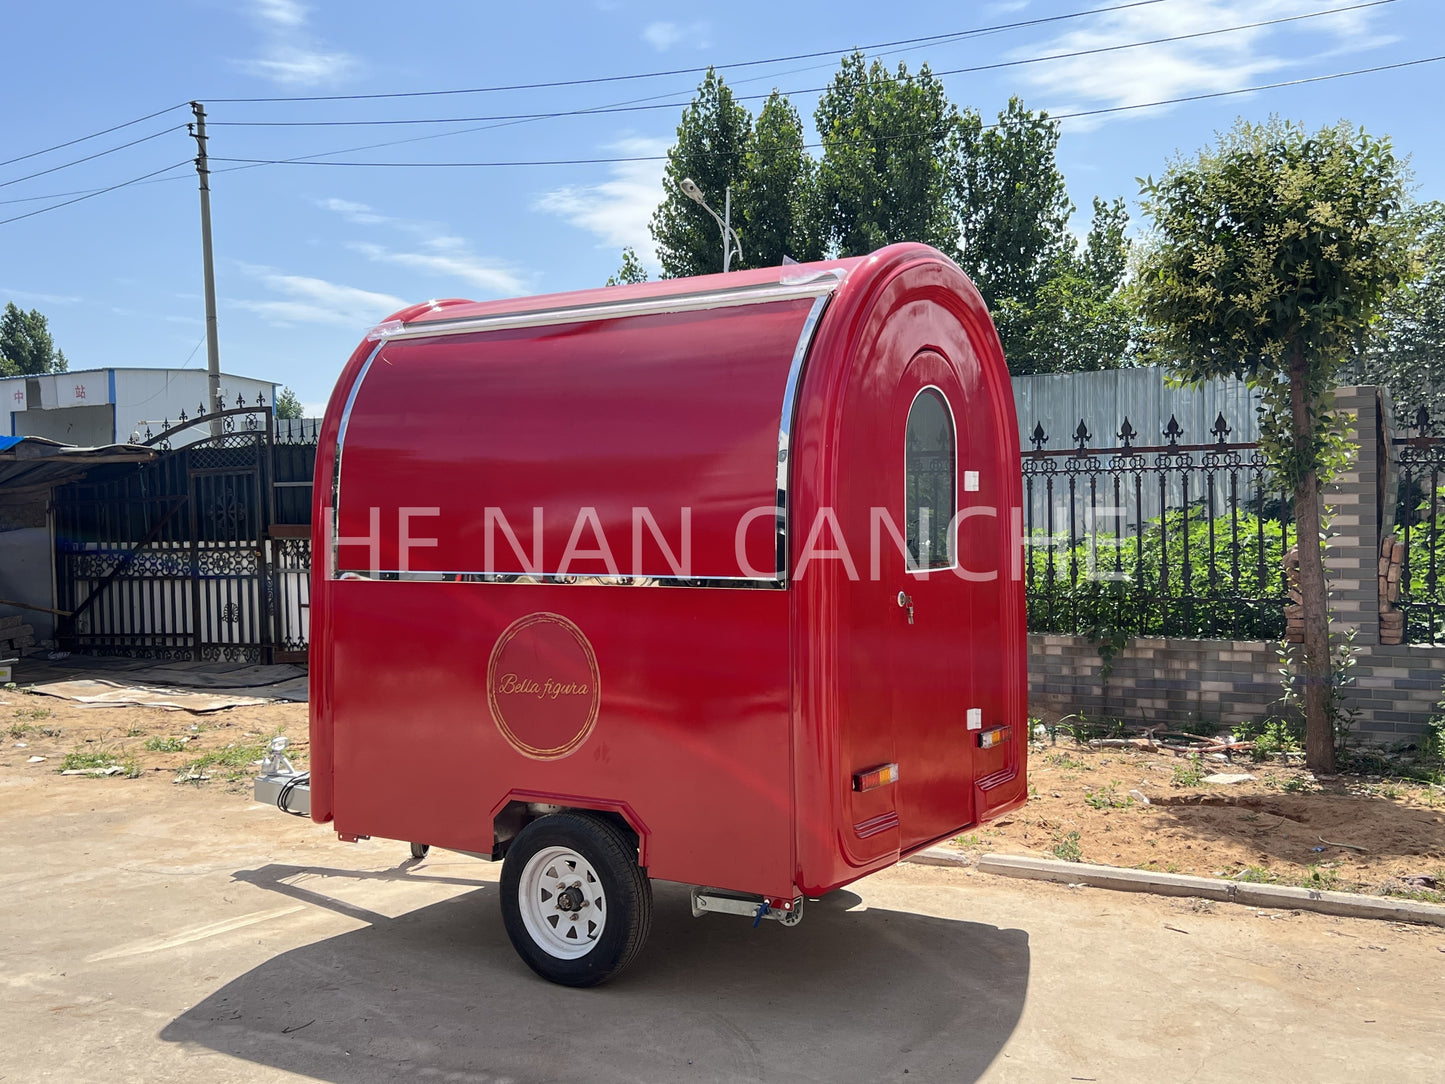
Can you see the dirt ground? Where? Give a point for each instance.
(149, 746)
(1346, 833)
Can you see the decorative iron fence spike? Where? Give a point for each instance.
(1082, 436)
(1127, 433)
(1172, 431)
(1422, 420)
(1038, 438)
(1220, 430)
(182, 419)
(200, 409)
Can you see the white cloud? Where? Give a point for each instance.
(359, 213)
(450, 257)
(285, 13)
(663, 36)
(617, 210)
(45, 299)
(306, 300)
(291, 56)
(1201, 65)
(292, 66)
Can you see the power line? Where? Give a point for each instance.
(997, 28)
(94, 135)
(251, 163)
(633, 108)
(92, 157)
(1249, 90)
(310, 160)
(96, 192)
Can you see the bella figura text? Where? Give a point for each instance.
(542, 690)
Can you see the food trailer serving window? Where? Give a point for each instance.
(929, 482)
(643, 446)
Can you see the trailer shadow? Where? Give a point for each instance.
(847, 995)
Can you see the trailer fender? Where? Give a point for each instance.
(520, 807)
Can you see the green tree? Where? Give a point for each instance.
(26, 347)
(287, 404)
(631, 270)
(1057, 309)
(1081, 317)
(888, 158)
(712, 141)
(776, 197)
(1013, 208)
(1406, 347)
(1273, 250)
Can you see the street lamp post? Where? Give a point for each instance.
(732, 246)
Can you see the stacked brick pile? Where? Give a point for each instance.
(1392, 620)
(1294, 611)
(15, 635)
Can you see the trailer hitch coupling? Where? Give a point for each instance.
(280, 784)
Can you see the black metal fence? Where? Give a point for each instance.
(1157, 539)
(1419, 515)
(202, 554)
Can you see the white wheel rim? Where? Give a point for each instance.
(562, 902)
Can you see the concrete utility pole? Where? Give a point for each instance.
(213, 346)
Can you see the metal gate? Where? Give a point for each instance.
(186, 558)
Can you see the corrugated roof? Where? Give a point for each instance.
(29, 463)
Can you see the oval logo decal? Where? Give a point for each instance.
(543, 686)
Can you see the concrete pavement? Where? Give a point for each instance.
(193, 935)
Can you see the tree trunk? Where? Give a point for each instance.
(1314, 665)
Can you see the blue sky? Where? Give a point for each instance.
(309, 256)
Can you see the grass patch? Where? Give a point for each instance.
(85, 760)
(1189, 774)
(1272, 738)
(1256, 875)
(159, 744)
(234, 761)
(1322, 877)
(1108, 797)
(33, 713)
(1068, 848)
(19, 730)
(1067, 763)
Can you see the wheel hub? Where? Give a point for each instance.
(570, 899)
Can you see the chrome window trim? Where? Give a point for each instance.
(785, 430)
(820, 288)
(956, 557)
(336, 464)
(571, 579)
(823, 284)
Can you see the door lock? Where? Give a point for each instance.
(906, 601)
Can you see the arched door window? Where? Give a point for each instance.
(929, 468)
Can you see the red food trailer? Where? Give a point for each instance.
(711, 580)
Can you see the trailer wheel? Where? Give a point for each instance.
(419, 850)
(575, 903)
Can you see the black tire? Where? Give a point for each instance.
(561, 896)
(419, 850)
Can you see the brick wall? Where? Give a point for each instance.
(1396, 687)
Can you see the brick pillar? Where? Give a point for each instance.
(1353, 510)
